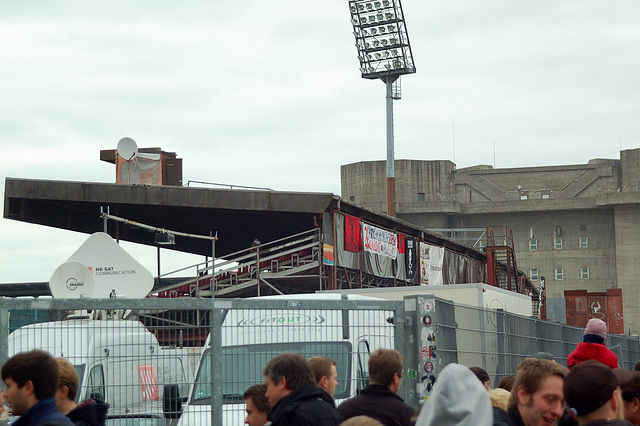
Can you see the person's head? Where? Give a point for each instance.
(630, 390)
(285, 373)
(257, 405)
(483, 376)
(636, 366)
(506, 383)
(361, 421)
(499, 398)
(385, 368)
(68, 388)
(537, 391)
(595, 331)
(458, 398)
(325, 373)
(30, 377)
(544, 355)
(591, 391)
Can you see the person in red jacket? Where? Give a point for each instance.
(593, 347)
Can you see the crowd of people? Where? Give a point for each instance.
(41, 390)
(593, 391)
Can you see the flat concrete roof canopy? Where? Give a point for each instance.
(238, 216)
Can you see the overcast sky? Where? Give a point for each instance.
(268, 93)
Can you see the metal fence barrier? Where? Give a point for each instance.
(160, 359)
(155, 359)
(497, 340)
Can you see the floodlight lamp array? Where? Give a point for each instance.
(381, 38)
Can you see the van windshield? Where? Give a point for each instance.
(242, 367)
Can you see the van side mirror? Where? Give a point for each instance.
(172, 402)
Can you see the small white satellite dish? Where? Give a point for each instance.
(127, 148)
(72, 280)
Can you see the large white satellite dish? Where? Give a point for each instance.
(72, 280)
(127, 148)
(113, 269)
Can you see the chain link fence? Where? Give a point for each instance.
(188, 361)
(498, 341)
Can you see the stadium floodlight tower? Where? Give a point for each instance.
(385, 53)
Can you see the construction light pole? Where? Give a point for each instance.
(384, 52)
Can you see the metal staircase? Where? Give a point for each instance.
(283, 266)
(502, 270)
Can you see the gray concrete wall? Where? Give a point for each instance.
(630, 160)
(599, 200)
(627, 225)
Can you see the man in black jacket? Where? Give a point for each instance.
(379, 400)
(325, 373)
(88, 413)
(592, 393)
(536, 397)
(295, 399)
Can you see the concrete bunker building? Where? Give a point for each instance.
(576, 225)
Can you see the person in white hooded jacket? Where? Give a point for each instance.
(458, 398)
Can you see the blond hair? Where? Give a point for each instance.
(68, 377)
(499, 398)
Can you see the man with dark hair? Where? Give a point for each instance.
(506, 383)
(88, 413)
(295, 399)
(325, 373)
(536, 397)
(257, 405)
(483, 376)
(32, 381)
(544, 355)
(379, 400)
(591, 392)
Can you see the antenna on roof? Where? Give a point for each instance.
(127, 148)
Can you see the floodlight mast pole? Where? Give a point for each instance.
(391, 168)
(384, 52)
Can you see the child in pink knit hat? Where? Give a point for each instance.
(592, 346)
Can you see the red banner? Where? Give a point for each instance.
(401, 243)
(352, 235)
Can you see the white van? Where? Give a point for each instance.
(250, 338)
(120, 362)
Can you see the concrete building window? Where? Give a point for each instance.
(352, 197)
(420, 196)
(546, 196)
(524, 196)
(557, 243)
(584, 273)
(559, 274)
(533, 244)
(584, 242)
(533, 274)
